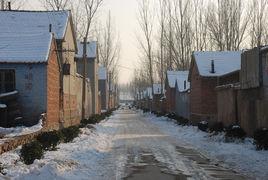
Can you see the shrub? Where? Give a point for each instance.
(182, 121)
(216, 127)
(261, 139)
(172, 116)
(68, 134)
(203, 126)
(31, 151)
(235, 132)
(50, 140)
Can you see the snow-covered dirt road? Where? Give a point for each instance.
(126, 146)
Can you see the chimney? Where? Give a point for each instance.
(212, 67)
(9, 5)
(184, 85)
(50, 27)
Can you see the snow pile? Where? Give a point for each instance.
(22, 130)
(241, 156)
(87, 157)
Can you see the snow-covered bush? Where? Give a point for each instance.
(68, 134)
(234, 132)
(31, 151)
(203, 126)
(261, 139)
(50, 140)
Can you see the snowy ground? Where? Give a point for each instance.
(240, 156)
(111, 150)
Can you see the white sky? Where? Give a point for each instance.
(124, 14)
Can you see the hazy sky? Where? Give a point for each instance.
(124, 14)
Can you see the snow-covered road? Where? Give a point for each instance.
(129, 145)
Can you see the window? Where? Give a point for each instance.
(7, 80)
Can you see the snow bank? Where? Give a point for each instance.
(87, 157)
(241, 156)
(22, 130)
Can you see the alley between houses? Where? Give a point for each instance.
(125, 146)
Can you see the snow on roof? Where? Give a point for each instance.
(102, 73)
(32, 22)
(91, 49)
(25, 48)
(157, 88)
(182, 83)
(225, 62)
(172, 76)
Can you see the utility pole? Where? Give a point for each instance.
(84, 77)
(2, 5)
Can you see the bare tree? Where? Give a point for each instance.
(200, 25)
(258, 22)
(55, 5)
(227, 22)
(146, 24)
(15, 4)
(109, 47)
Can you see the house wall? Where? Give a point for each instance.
(103, 88)
(31, 82)
(73, 104)
(156, 103)
(252, 108)
(92, 74)
(182, 105)
(203, 98)
(227, 105)
(229, 79)
(71, 94)
(53, 90)
(170, 99)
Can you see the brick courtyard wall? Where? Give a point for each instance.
(53, 90)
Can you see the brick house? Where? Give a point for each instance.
(182, 93)
(92, 71)
(29, 65)
(103, 88)
(61, 24)
(205, 70)
(171, 78)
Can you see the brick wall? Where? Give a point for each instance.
(170, 99)
(53, 90)
(227, 105)
(203, 99)
(229, 79)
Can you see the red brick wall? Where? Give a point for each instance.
(203, 97)
(229, 79)
(53, 90)
(170, 99)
